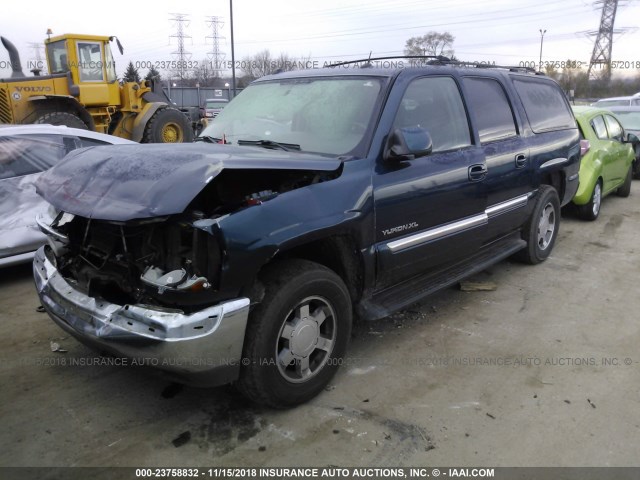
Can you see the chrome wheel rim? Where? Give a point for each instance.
(597, 199)
(306, 339)
(546, 226)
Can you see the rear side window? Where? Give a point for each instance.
(545, 105)
(490, 108)
(599, 127)
(434, 103)
(24, 155)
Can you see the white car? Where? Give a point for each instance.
(25, 151)
(633, 100)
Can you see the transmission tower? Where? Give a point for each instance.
(600, 64)
(39, 64)
(216, 57)
(181, 55)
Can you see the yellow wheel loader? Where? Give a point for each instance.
(82, 91)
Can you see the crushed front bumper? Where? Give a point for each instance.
(203, 348)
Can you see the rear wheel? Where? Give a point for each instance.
(168, 125)
(62, 118)
(625, 189)
(591, 209)
(297, 335)
(541, 230)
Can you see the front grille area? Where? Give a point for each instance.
(105, 259)
(5, 106)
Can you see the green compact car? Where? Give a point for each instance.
(607, 157)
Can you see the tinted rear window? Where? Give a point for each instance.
(545, 105)
(491, 109)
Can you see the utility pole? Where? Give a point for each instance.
(542, 32)
(217, 58)
(181, 55)
(233, 55)
(600, 64)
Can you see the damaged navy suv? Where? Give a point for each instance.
(314, 196)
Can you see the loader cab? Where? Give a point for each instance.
(89, 59)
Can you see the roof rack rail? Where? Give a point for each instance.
(438, 60)
(511, 68)
(435, 59)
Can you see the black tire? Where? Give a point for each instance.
(625, 189)
(279, 318)
(62, 118)
(590, 210)
(168, 125)
(545, 217)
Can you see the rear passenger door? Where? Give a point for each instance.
(507, 154)
(430, 211)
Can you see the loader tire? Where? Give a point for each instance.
(168, 125)
(62, 118)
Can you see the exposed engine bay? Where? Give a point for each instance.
(165, 261)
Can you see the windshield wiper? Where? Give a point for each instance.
(287, 147)
(207, 138)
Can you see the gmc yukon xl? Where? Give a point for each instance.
(314, 197)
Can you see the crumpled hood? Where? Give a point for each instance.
(124, 182)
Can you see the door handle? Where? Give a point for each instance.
(477, 172)
(521, 160)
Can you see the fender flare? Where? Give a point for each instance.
(142, 119)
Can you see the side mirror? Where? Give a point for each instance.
(632, 138)
(408, 143)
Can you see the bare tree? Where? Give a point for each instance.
(263, 63)
(432, 43)
(205, 73)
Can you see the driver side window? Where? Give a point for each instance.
(435, 104)
(90, 62)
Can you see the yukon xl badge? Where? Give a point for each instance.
(400, 228)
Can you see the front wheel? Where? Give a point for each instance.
(297, 336)
(541, 230)
(168, 125)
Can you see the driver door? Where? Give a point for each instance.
(430, 211)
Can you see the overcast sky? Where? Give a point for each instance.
(506, 32)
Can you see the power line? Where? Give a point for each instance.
(39, 64)
(215, 24)
(600, 64)
(180, 22)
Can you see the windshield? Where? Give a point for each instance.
(216, 104)
(57, 55)
(323, 115)
(629, 120)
